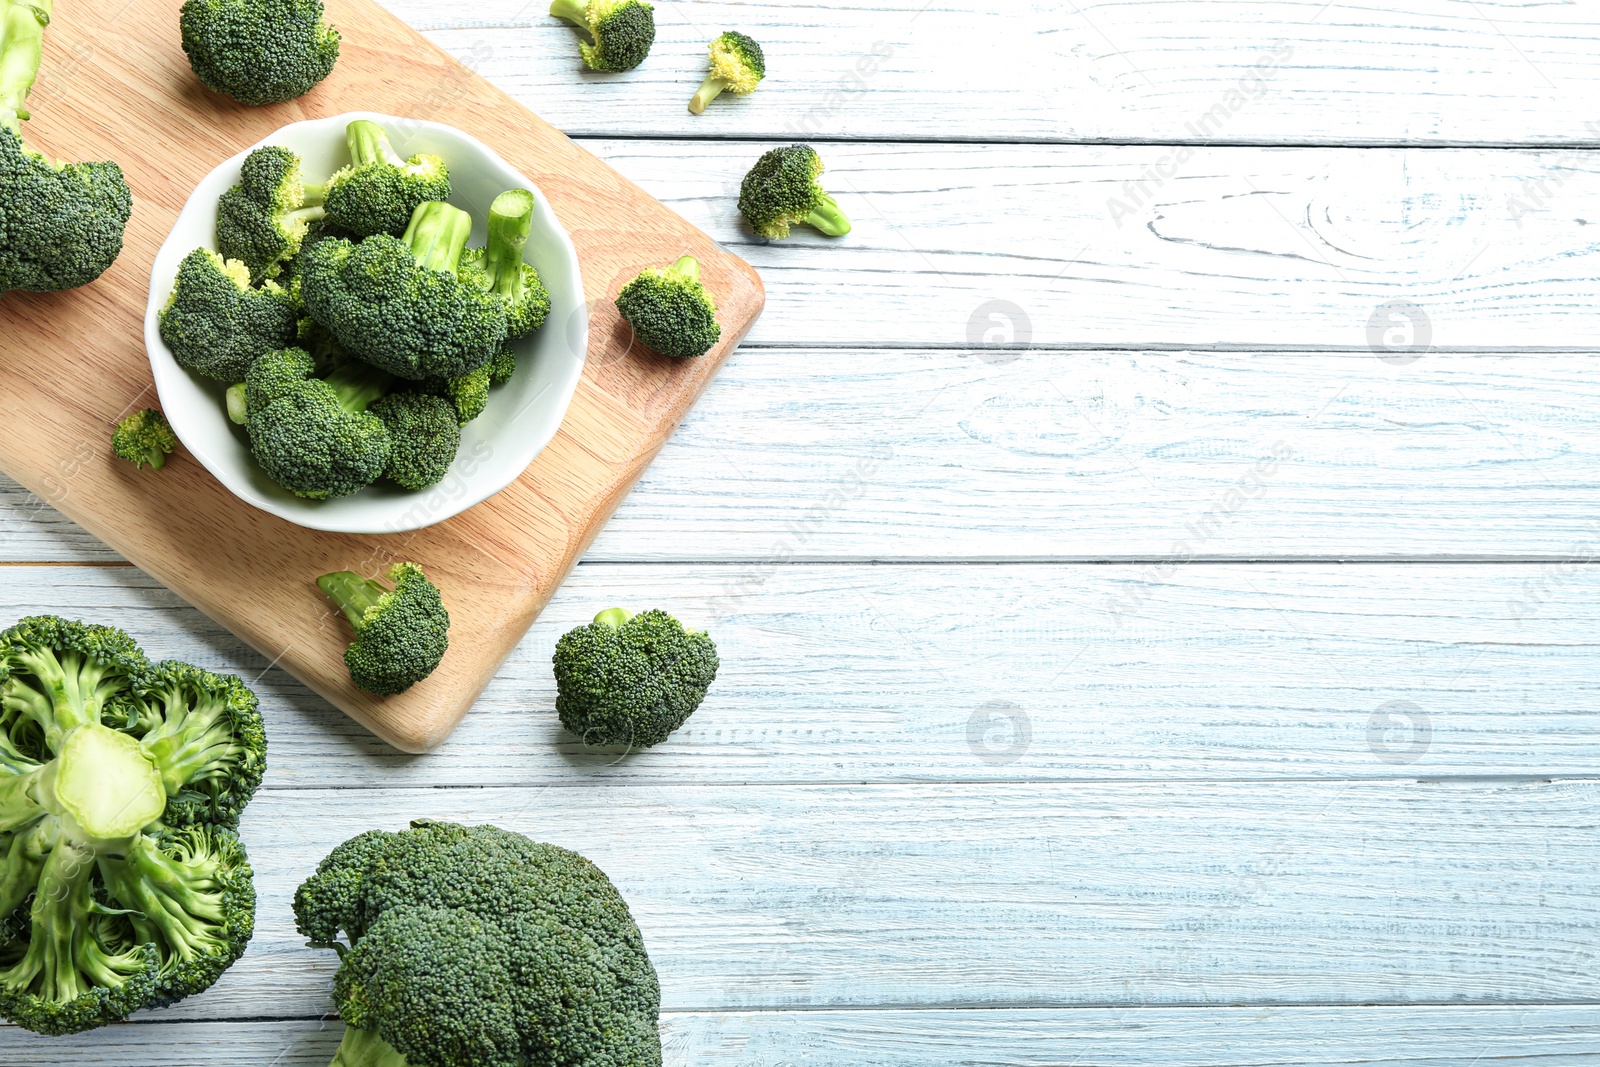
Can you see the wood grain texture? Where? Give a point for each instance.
(498, 563)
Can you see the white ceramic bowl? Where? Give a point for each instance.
(496, 447)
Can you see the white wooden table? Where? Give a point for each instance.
(1152, 556)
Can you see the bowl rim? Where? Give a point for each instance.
(164, 366)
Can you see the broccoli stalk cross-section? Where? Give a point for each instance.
(379, 192)
(737, 66)
(401, 633)
(622, 31)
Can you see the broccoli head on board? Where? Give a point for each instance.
(627, 679)
(401, 633)
(263, 221)
(498, 268)
(144, 437)
(670, 311)
(217, 325)
(258, 51)
(737, 66)
(622, 31)
(315, 436)
(379, 192)
(781, 191)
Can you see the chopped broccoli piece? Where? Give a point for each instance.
(468, 394)
(629, 679)
(670, 311)
(401, 634)
(476, 947)
(781, 191)
(121, 785)
(424, 436)
(144, 437)
(737, 66)
(502, 366)
(379, 192)
(498, 268)
(315, 436)
(61, 224)
(622, 31)
(216, 325)
(398, 304)
(263, 221)
(258, 51)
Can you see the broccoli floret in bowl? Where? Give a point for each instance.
(378, 192)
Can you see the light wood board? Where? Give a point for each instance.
(74, 361)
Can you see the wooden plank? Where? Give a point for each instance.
(139, 104)
(1086, 1037)
(1299, 71)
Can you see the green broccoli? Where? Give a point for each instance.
(737, 66)
(622, 31)
(502, 366)
(629, 679)
(476, 947)
(315, 436)
(781, 191)
(263, 221)
(379, 192)
(670, 311)
(216, 325)
(498, 267)
(144, 437)
(398, 304)
(121, 785)
(401, 634)
(424, 436)
(258, 51)
(468, 395)
(61, 224)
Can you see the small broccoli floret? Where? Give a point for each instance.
(499, 270)
(144, 437)
(263, 221)
(468, 395)
(670, 311)
(622, 31)
(502, 366)
(314, 436)
(737, 66)
(398, 304)
(781, 191)
(216, 325)
(401, 634)
(424, 436)
(258, 51)
(629, 679)
(61, 224)
(379, 192)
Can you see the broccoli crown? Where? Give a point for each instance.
(144, 437)
(670, 311)
(258, 51)
(498, 268)
(264, 220)
(628, 679)
(121, 785)
(314, 436)
(424, 434)
(399, 305)
(216, 325)
(476, 947)
(737, 66)
(468, 395)
(401, 633)
(781, 191)
(379, 192)
(622, 31)
(61, 224)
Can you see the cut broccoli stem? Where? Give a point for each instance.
(510, 221)
(314, 195)
(829, 219)
(574, 11)
(709, 90)
(438, 235)
(613, 617)
(21, 50)
(363, 1048)
(353, 593)
(238, 414)
(370, 144)
(358, 385)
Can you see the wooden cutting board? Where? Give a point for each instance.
(116, 85)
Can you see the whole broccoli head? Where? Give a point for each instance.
(314, 436)
(379, 192)
(217, 325)
(61, 224)
(737, 66)
(263, 221)
(144, 437)
(398, 304)
(121, 785)
(498, 267)
(781, 191)
(670, 311)
(424, 436)
(476, 947)
(258, 51)
(401, 633)
(629, 679)
(622, 31)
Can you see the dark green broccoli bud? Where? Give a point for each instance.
(401, 634)
(622, 31)
(781, 191)
(258, 51)
(314, 436)
(476, 947)
(424, 437)
(670, 311)
(216, 325)
(144, 437)
(467, 395)
(628, 679)
(61, 224)
(120, 783)
(263, 221)
(398, 304)
(379, 192)
(737, 66)
(498, 268)
(502, 366)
